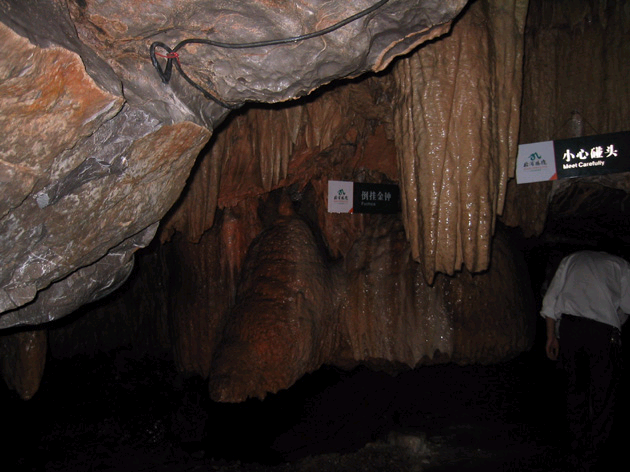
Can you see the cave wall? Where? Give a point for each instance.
(390, 313)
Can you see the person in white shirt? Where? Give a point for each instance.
(584, 308)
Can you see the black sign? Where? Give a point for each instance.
(592, 155)
(574, 157)
(376, 198)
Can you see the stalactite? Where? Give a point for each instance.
(274, 142)
(265, 148)
(456, 121)
(23, 356)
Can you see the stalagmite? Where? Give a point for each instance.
(282, 323)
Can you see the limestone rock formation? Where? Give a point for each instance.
(256, 282)
(390, 313)
(48, 113)
(294, 311)
(86, 147)
(99, 145)
(457, 120)
(106, 185)
(283, 315)
(93, 179)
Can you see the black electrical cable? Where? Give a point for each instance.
(172, 54)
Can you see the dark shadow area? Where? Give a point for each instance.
(126, 412)
(115, 412)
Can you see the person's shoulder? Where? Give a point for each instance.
(588, 256)
(593, 254)
(606, 257)
(585, 254)
(588, 259)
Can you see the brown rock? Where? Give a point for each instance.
(48, 103)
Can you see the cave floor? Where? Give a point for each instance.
(115, 412)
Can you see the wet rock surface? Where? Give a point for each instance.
(124, 413)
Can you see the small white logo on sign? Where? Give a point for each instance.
(535, 162)
(340, 196)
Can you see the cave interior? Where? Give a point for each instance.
(190, 349)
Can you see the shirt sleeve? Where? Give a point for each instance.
(555, 287)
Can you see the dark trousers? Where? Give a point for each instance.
(590, 356)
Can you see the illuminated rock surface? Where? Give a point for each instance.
(103, 141)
